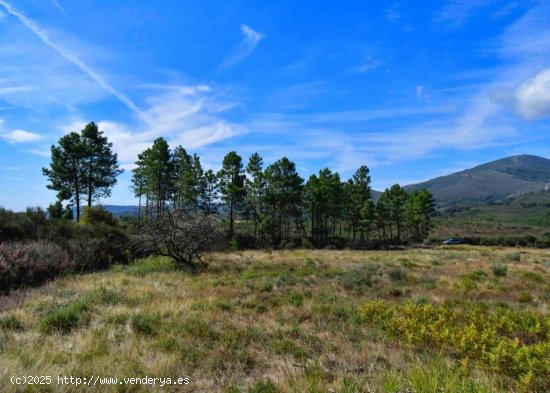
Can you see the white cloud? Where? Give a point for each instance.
(250, 39)
(533, 96)
(186, 115)
(21, 136)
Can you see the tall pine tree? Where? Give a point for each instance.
(67, 171)
(231, 182)
(100, 164)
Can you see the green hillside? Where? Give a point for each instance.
(524, 215)
(490, 182)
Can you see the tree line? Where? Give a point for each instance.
(274, 204)
(269, 204)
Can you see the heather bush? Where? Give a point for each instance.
(95, 247)
(34, 249)
(31, 263)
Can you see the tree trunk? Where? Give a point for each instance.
(398, 223)
(90, 186)
(77, 189)
(139, 205)
(231, 219)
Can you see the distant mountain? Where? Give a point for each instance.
(493, 181)
(119, 211)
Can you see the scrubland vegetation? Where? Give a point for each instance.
(34, 249)
(183, 290)
(455, 320)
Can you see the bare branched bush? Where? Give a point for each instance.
(181, 235)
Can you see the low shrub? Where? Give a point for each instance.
(398, 274)
(505, 341)
(358, 279)
(98, 215)
(514, 257)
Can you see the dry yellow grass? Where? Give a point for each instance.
(263, 321)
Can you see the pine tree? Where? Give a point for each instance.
(159, 176)
(283, 198)
(367, 214)
(100, 164)
(210, 197)
(139, 180)
(383, 215)
(426, 203)
(398, 196)
(181, 162)
(360, 193)
(231, 182)
(255, 189)
(67, 171)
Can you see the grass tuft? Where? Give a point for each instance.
(499, 270)
(144, 324)
(65, 318)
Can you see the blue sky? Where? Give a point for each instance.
(413, 89)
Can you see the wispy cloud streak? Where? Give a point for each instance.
(249, 42)
(71, 57)
(58, 6)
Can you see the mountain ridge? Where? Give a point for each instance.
(490, 181)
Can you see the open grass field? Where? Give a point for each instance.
(450, 320)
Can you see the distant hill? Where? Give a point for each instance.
(119, 211)
(116, 210)
(492, 181)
